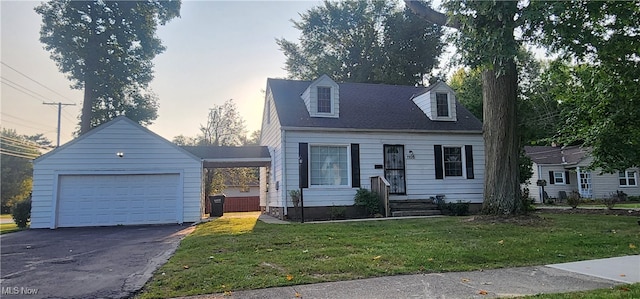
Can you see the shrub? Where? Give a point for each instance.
(527, 202)
(459, 208)
(295, 197)
(21, 212)
(573, 199)
(621, 195)
(369, 200)
(610, 201)
(337, 212)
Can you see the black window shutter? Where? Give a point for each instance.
(552, 179)
(355, 165)
(303, 151)
(468, 152)
(566, 178)
(437, 151)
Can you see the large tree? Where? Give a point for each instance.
(485, 36)
(107, 48)
(225, 126)
(600, 88)
(363, 41)
(16, 155)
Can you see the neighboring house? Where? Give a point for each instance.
(565, 169)
(121, 173)
(341, 134)
(242, 198)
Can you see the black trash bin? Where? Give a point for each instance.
(217, 205)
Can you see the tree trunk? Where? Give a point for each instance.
(91, 65)
(501, 183)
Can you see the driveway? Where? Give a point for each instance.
(97, 262)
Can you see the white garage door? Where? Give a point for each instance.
(97, 200)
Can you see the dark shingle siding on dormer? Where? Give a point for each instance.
(366, 107)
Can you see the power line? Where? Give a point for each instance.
(25, 142)
(18, 146)
(2, 152)
(35, 81)
(22, 119)
(27, 89)
(22, 91)
(20, 153)
(26, 126)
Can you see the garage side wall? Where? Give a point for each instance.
(95, 153)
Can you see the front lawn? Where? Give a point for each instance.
(6, 228)
(231, 254)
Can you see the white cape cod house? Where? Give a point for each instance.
(565, 169)
(331, 138)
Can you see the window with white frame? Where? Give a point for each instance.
(628, 178)
(452, 161)
(329, 165)
(324, 99)
(558, 177)
(442, 105)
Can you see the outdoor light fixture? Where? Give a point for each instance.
(120, 154)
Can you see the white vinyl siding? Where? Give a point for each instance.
(95, 154)
(271, 137)
(420, 174)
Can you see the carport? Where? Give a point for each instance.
(230, 157)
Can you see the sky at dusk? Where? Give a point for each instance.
(217, 50)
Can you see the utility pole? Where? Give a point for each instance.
(59, 111)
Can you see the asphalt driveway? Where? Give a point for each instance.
(97, 262)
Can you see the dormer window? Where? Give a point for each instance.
(442, 104)
(438, 103)
(324, 99)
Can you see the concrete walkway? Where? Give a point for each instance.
(508, 282)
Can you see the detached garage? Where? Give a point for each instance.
(120, 173)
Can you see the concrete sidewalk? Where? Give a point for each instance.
(508, 282)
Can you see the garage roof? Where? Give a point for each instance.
(231, 156)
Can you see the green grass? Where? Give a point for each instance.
(618, 292)
(238, 253)
(6, 228)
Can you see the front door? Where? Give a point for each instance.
(585, 184)
(394, 168)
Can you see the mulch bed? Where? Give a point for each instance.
(619, 212)
(534, 219)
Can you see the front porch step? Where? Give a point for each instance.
(403, 208)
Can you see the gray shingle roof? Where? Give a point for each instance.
(556, 155)
(365, 106)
